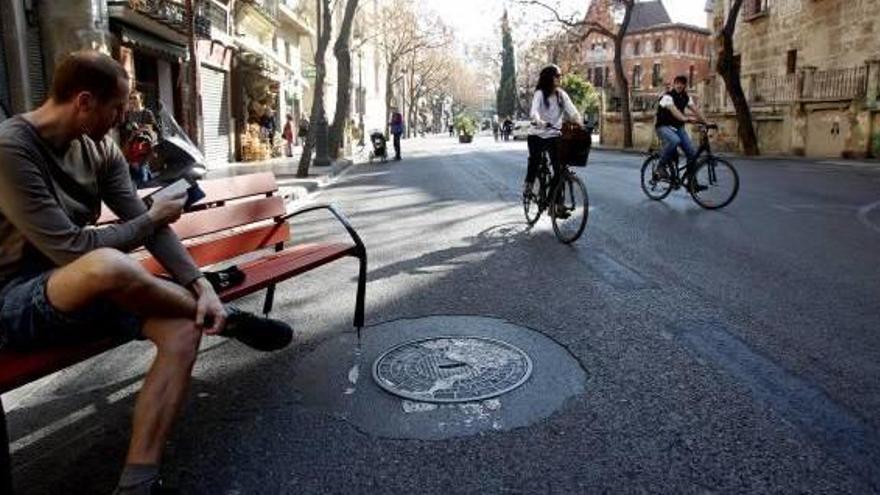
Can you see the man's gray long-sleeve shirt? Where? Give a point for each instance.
(50, 200)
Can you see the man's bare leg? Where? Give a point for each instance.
(111, 275)
(165, 387)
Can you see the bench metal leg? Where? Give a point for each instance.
(270, 299)
(361, 292)
(5, 460)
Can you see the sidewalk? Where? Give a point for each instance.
(290, 187)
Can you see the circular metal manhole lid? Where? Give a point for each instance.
(452, 369)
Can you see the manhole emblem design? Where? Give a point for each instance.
(452, 369)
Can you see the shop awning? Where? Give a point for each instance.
(153, 44)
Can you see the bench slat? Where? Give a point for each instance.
(217, 190)
(209, 251)
(21, 368)
(293, 261)
(212, 220)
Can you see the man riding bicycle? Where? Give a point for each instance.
(551, 106)
(670, 126)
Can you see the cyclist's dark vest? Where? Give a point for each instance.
(665, 117)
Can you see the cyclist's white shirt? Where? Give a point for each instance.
(552, 113)
(666, 101)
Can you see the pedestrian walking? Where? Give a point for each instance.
(303, 130)
(496, 128)
(269, 126)
(396, 130)
(288, 136)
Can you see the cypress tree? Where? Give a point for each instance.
(506, 97)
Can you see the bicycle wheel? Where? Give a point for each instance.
(653, 186)
(715, 183)
(571, 209)
(532, 202)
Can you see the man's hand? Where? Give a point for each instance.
(165, 211)
(210, 313)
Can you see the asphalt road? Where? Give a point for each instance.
(734, 351)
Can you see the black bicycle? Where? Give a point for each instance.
(568, 204)
(713, 182)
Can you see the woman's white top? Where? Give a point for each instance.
(551, 112)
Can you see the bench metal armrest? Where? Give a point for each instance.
(339, 216)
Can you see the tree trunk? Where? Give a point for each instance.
(621, 78)
(318, 103)
(342, 52)
(729, 71)
(389, 93)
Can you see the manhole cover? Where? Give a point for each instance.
(452, 369)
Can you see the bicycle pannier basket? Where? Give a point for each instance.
(574, 146)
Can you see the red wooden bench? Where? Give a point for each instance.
(239, 216)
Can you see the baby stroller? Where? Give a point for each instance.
(380, 149)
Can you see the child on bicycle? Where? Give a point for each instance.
(670, 125)
(551, 106)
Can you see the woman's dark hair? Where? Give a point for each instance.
(681, 79)
(89, 71)
(545, 82)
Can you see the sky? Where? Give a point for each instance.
(473, 20)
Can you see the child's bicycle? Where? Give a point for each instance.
(712, 184)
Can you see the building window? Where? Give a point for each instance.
(691, 76)
(589, 74)
(791, 62)
(637, 76)
(287, 52)
(637, 48)
(275, 44)
(658, 45)
(682, 45)
(593, 47)
(606, 79)
(656, 76)
(604, 45)
(754, 8)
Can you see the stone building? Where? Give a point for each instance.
(655, 48)
(810, 70)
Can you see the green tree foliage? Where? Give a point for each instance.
(465, 124)
(506, 97)
(582, 93)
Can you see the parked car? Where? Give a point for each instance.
(521, 129)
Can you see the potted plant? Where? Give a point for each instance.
(466, 127)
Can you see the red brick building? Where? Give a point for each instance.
(655, 48)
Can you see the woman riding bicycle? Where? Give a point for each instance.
(551, 106)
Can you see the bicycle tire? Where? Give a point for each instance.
(566, 193)
(651, 185)
(532, 202)
(715, 173)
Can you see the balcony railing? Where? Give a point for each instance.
(774, 89)
(269, 8)
(169, 12)
(838, 84)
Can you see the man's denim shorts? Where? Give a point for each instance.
(29, 321)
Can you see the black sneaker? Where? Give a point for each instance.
(562, 212)
(159, 488)
(257, 332)
(662, 172)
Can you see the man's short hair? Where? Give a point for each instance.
(86, 70)
(681, 79)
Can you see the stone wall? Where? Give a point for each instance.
(828, 34)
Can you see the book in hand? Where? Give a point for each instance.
(194, 193)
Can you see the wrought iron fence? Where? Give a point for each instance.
(837, 84)
(774, 89)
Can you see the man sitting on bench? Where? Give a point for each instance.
(63, 279)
